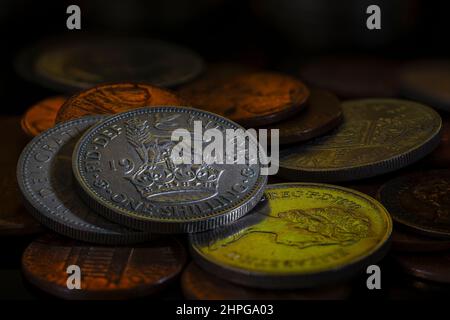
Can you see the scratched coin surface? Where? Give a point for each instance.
(125, 170)
(430, 266)
(72, 64)
(14, 218)
(322, 114)
(377, 136)
(303, 235)
(44, 174)
(420, 201)
(198, 284)
(42, 115)
(251, 99)
(115, 98)
(121, 272)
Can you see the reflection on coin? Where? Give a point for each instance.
(126, 172)
(377, 136)
(45, 179)
(41, 116)
(14, 219)
(432, 266)
(201, 285)
(251, 99)
(122, 272)
(115, 98)
(305, 235)
(72, 64)
(428, 82)
(420, 201)
(404, 240)
(322, 114)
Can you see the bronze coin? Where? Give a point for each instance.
(352, 77)
(323, 113)
(115, 98)
(433, 267)
(42, 115)
(14, 219)
(407, 241)
(420, 201)
(427, 81)
(251, 99)
(201, 285)
(440, 157)
(122, 272)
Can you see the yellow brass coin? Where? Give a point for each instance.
(302, 235)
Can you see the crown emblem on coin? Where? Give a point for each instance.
(158, 178)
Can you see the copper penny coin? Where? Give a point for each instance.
(404, 240)
(352, 77)
(440, 157)
(14, 219)
(201, 285)
(121, 272)
(322, 114)
(251, 99)
(420, 201)
(433, 267)
(427, 81)
(115, 98)
(42, 115)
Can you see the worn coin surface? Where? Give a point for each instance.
(420, 201)
(433, 266)
(304, 235)
(121, 272)
(44, 173)
(71, 64)
(42, 115)
(322, 113)
(125, 169)
(408, 241)
(115, 98)
(428, 82)
(377, 136)
(251, 99)
(198, 284)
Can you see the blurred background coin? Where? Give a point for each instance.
(408, 241)
(440, 157)
(42, 115)
(429, 266)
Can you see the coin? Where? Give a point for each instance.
(304, 235)
(14, 219)
(122, 272)
(126, 172)
(251, 99)
(377, 136)
(404, 240)
(44, 173)
(71, 64)
(201, 285)
(420, 201)
(115, 98)
(440, 157)
(432, 267)
(41, 116)
(428, 82)
(353, 77)
(322, 114)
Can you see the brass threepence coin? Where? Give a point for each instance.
(126, 171)
(304, 235)
(431, 266)
(115, 98)
(377, 136)
(251, 99)
(44, 173)
(71, 64)
(322, 114)
(122, 272)
(428, 82)
(14, 218)
(201, 285)
(408, 241)
(41, 116)
(420, 201)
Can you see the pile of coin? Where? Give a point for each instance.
(99, 177)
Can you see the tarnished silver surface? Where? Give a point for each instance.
(44, 175)
(124, 170)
